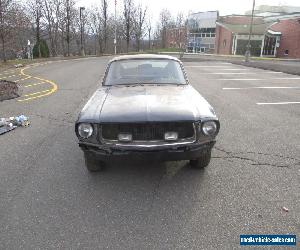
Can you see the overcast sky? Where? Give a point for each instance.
(225, 7)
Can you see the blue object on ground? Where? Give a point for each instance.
(21, 120)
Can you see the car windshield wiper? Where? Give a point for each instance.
(126, 85)
(135, 84)
(146, 83)
(155, 83)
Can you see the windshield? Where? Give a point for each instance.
(145, 71)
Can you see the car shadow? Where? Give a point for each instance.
(147, 176)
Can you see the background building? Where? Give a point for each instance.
(286, 31)
(267, 10)
(232, 34)
(201, 32)
(272, 36)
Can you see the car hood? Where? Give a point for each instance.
(145, 103)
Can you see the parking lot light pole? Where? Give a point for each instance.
(248, 52)
(81, 9)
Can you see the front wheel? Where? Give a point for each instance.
(202, 161)
(92, 164)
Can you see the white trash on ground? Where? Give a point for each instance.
(8, 124)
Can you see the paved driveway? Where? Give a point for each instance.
(48, 200)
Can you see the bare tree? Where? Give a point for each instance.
(138, 25)
(180, 20)
(128, 20)
(58, 23)
(180, 35)
(68, 21)
(166, 21)
(5, 19)
(64, 12)
(149, 29)
(98, 23)
(34, 12)
(35, 8)
(48, 14)
(119, 26)
(94, 22)
(13, 23)
(61, 27)
(38, 16)
(51, 14)
(104, 8)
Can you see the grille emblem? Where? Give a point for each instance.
(125, 137)
(171, 136)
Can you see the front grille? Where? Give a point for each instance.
(148, 131)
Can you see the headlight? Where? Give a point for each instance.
(209, 128)
(85, 130)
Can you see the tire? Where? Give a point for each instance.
(92, 164)
(202, 161)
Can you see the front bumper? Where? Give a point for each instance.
(166, 153)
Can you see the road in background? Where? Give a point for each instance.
(49, 200)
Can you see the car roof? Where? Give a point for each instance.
(144, 56)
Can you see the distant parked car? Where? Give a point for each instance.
(146, 109)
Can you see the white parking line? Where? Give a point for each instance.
(287, 78)
(203, 66)
(239, 73)
(240, 79)
(226, 73)
(257, 79)
(261, 88)
(276, 103)
(234, 69)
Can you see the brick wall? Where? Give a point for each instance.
(290, 38)
(223, 41)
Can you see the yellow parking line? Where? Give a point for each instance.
(8, 72)
(23, 79)
(36, 93)
(7, 77)
(43, 93)
(33, 84)
(12, 71)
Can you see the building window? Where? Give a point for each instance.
(286, 52)
(224, 43)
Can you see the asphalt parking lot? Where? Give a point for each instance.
(48, 200)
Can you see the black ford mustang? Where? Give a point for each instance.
(146, 109)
